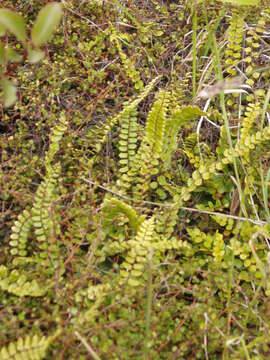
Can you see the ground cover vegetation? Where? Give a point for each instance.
(134, 180)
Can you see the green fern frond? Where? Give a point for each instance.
(155, 124)
(17, 284)
(179, 92)
(149, 154)
(55, 138)
(252, 115)
(41, 211)
(132, 268)
(128, 64)
(166, 221)
(241, 150)
(146, 161)
(115, 207)
(235, 38)
(31, 347)
(128, 107)
(128, 141)
(19, 235)
(178, 119)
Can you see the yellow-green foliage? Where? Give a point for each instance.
(19, 236)
(31, 347)
(121, 208)
(103, 132)
(128, 64)
(241, 150)
(147, 158)
(213, 243)
(128, 140)
(139, 251)
(114, 207)
(44, 223)
(42, 209)
(17, 284)
(235, 38)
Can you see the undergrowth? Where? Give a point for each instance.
(134, 182)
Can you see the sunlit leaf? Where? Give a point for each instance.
(47, 20)
(12, 55)
(242, 2)
(9, 92)
(186, 114)
(2, 30)
(2, 53)
(14, 23)
(34, 56)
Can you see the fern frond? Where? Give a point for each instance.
(41, 211)
(149, 154)
(128, 107)
(235, 38)
(31, 347)
(146, 161)
(139, 247)
(20, 232)
(17, 284)
(128, 64)
(179, 92)
(178, 119)
(155, 124)
(241, 150)
(55, 138)
(166, 221)
(115, 207)
(252, 114)
(128, 141)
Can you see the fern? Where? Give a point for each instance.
(250, 120)
(152, 144)
(42, 213)
(55, 138)
(235, 38)
(17, 284)
(166, 221)
(147, 158)
(114, 207)
(179, 93)
(178, 119)
(128, 141)
(241, 150)
(128, 64)
(42, 219)
(207, 242)
(155, 124)
(100, 134)
(132, 268)
(19, 235)
(31, 347)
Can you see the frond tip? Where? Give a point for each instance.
(30, 347)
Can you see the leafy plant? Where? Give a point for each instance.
(47, 21)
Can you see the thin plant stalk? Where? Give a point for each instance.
(265, 192)
(194, 51)
(224, 112)
(148, 307)
(266, 102)
(93, 354)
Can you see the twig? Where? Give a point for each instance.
(87, 346)
(172, 205)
